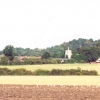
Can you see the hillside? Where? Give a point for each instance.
(58, 50)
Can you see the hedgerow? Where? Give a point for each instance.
(22, 71)
(26, 61)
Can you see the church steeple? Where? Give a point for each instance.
(68, 53)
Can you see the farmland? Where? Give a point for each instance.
(56, 66)
(51, 87)
(53, 80)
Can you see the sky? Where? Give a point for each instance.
(45, 23)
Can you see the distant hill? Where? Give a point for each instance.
(58, 50)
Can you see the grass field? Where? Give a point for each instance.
(51, 80)
(57, 66)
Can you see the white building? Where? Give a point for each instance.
(98, 60)
(68, 53)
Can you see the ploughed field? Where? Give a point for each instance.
(51, 87)
(44, 92)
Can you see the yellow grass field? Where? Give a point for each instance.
(53, 80)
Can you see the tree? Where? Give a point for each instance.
(96, 50)
(89, 53)
(98, 43)
(46, 55)
(80, 57)
(9, 52)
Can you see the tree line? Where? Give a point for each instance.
(84, 50)
(57, 51)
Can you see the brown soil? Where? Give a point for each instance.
(44, 92)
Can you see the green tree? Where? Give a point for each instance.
(98, 43)
(80, 57)
(89, 53)
(96, 50)
(9, 52)
(46, 55)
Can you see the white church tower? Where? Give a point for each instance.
(68, 53)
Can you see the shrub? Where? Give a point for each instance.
(38, 61)
(58, 61)
(72, 72)
(4, 61)
(93, 72)
(28, 61)
(22, 71)
(70, 61)
(49, 61)
(41, 72)
(5, 71)
(56, 72)
(82, 61)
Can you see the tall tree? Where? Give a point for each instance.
(89, 53)
(9, 52)
(46, 55)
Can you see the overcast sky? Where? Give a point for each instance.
(45, 23)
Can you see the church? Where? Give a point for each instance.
(68, 53)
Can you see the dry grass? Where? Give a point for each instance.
(51, 80)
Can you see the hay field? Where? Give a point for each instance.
(51, 80)
(56, 66)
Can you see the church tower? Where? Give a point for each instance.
(68, 53)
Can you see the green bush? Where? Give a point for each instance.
(41, 72)
(77, 71)
(22, 71)
(49, 61)
(72, 72)
(91, 72)
(56, 72)
(28, 61)
(70, 61)
(58, 61)
(82, 61)
(4, 61)
(5, 71)
(38, 61)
